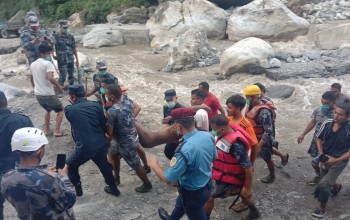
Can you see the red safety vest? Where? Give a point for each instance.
(226, 167)
(254, 112)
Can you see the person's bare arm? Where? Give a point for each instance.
(319, 144)
(109, 134)
(137, 108)
(52, 80)
(248, 181)
(158, 170)
(308, 128)
(203, 106)
(92, 92)
(75, 51)
(222, 111)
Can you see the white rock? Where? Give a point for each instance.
(265, 19)
(171, 19)
(11, 92)
(103, 37)
(333, 37)
(275, 63)
(250, 55)
(75, 20)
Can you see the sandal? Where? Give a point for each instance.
(60, 135)
(239, 207)
(284, 162)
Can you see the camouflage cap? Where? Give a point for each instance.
(101, 64)
(63, 23)
(31, 13)
(33, 21)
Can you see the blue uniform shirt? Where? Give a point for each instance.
(191, 165)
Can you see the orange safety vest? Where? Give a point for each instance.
(254, 112)
(226, 167)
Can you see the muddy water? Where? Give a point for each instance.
(139, 68)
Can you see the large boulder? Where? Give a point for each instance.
(280, 91)
(333, 37)
(190, 50)
(11, 92)
(171, 19)
(75, 20)
(266, 19)
(128, 16)
(17, 19)
(103, 36)
(250, 55)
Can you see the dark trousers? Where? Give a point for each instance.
(99, 158)
(66, 68)
(169, 150)
(192, 204)
(2, 201)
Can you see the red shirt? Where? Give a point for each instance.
(213, 104)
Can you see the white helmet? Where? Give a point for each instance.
(28, 139)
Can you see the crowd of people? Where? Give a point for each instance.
(211, 151)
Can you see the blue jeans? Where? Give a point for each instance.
(192, 204)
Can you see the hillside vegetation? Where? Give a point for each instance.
(93, 11)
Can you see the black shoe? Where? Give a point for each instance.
(163, 214)
(112, 190)
(252, 215)
(145, 187)
(78, 189)
(148, 169)
(117, 180)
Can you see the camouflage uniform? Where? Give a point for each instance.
(65, 45)
(121, 118)
(28, 36)
(37, 193)
(265, 118)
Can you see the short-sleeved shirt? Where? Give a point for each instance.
(341, 99)
(213, 103)
(9, 123)
(121, 118)
(201, 119)
(40, 69)
(36, 193)
(88, 125)
(247, 126)
(191, 164)
(320, 116)
(65, 45)
(336, 143)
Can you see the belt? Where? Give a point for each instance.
(184, 191)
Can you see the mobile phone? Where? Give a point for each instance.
(60, 161)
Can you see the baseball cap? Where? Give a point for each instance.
(33, 21)
(101, 64)
(63, 23)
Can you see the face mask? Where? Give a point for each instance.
(102, 90)
(215, 133)
(325, 107)
(65, 30)
(48, 58)
(170, 104)
(247, 102)
(102, 73)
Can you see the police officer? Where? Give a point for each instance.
(34, 190)
(190, 166)
(66, 50)
(88, 127)
(32, 37)
(101, 73)
(9, 123)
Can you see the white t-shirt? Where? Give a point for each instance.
(202, 120)
(40, 69)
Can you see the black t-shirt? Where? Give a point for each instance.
(336, 143)
(167, 111)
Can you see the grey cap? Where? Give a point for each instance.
(101, 64)
(33, 21)
(63, 23)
